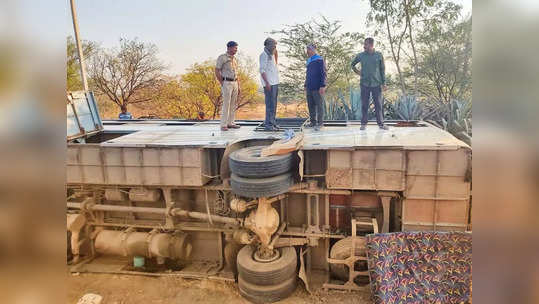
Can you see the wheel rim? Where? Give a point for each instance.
(255, 153)
(266, 258)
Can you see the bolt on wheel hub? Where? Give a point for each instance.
(266, 255)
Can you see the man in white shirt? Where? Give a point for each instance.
(270, 81)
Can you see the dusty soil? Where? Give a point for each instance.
(123, 289)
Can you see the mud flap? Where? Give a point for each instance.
(302, 273)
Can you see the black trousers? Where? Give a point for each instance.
(376, 93)
(315, 101)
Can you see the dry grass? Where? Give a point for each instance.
(109, 110)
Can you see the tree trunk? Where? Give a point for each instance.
(395, 58)
(214, 111)
(408, 21)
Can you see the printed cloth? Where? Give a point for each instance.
(420, 267)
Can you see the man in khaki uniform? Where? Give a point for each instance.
(226, 71)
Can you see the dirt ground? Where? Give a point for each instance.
(124, 289)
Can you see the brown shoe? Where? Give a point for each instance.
(224, 129)
(233, 126)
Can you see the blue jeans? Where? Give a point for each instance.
(271, 105)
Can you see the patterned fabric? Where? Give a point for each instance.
(420, 267)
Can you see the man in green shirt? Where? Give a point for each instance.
(373, 79)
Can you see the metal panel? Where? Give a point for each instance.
(437, 191)
(366, 169)
(435, 215)
(82, 115)
(208, 134)
(94, 164)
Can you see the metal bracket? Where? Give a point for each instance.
(351, 261)
(302, 273)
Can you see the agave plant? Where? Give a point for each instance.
(456, 118)
(342, 108)
(351, 106)
(334, 109)
(407, 108)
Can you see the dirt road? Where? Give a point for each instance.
(122, 289)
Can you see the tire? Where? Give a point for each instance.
(247, 162)
(266, 294)
(260, 187)
(341, 250)
(270, 273)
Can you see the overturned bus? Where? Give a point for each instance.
(174, 197)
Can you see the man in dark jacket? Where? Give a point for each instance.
(373, 79)
(315, 87)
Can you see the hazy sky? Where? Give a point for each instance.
(192, 31)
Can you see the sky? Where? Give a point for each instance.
(187, 32)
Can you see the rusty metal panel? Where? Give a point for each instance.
(363, 164)
(453, 187)
(391, 180)
(366, 170)
(421, 163)
(364, 179)
(423, 214)
(339, 159)
(339, 170)
(437, 192)
(364, 159)
(389, 174)
(191, 158)
(443, 163)
(429, 228)
(454, 163)
(389, 160)
(337, 178)
(417, 211)
(447, 187)
(420, 186)
(95, 164)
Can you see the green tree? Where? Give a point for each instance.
(74, 82)
(386, 17)
(200, 83)
(177, 101)
(445, 61)
(198, 93)
(399, 21)
(336, 47)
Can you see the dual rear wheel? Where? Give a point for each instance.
(255, 176)
(266, 280)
